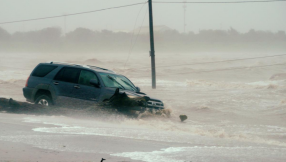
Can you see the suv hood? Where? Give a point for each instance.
(136, 94)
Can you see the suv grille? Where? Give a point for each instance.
(155, 104)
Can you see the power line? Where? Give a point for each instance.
(86, 12)
(207, 71)
(227, 2)
(73, 14)
(201, 63)
(228, 69)
(133, 44)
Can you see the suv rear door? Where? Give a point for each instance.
(64, 83)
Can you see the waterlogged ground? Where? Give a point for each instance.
(236, 115)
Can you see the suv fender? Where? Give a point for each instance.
(40, 89)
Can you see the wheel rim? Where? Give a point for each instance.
(43, 102)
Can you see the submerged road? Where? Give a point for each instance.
(19, 141)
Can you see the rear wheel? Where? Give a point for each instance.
(44, 100)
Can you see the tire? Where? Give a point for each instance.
(44, 100)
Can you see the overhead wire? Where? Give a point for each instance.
(129, 5)
(133, 43)
(211, 62)
(226, 2)
(217, 70)
(72, 14)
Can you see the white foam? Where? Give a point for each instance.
(266, 83)
(208, 154)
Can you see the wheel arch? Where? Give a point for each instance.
(42, 92)
(43, 89)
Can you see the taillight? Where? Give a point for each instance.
(27, 82)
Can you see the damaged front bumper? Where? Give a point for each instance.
(126, 100)
(151, 106)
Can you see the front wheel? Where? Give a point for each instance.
(44, 100)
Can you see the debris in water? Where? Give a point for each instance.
(183, 117)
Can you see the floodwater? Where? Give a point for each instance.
(233, 115)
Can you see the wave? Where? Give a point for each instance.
(161, 130)
(279, 76)
(235, 85)
(11, 76)
(12, 81)
(163, 83)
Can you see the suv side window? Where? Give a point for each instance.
(43, 70)
(67, 74)
(85, 76)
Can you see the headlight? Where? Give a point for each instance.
(131, 96)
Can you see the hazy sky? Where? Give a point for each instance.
(243, 17)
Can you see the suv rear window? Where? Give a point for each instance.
(43, 70)
(68, 75)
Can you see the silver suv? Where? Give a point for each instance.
(64, 84)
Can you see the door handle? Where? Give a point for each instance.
(77, 87)
(56, 83)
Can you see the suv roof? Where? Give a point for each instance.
(95, 68)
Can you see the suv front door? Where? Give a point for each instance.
(87, 93)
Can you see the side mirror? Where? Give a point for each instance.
(94, 82)
(137, 89)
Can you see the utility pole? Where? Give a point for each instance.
(152, 52)
(185, 9)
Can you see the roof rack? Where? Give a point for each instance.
(85, 66)
(65, 63)
(95, 67)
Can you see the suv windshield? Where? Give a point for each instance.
(117, 81)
